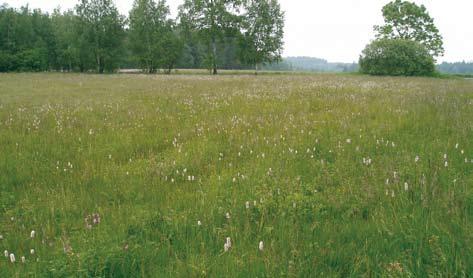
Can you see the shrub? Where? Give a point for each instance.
(396, 57)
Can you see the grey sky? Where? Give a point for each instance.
(338, 30)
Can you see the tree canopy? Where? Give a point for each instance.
(408, 21)
(396, 57)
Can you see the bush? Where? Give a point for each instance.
(396, 57)
(8, 62)
(33, 60)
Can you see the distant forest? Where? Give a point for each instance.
(311, 64)
(456, 68)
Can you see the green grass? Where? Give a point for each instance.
(292, 146)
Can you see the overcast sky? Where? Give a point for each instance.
(338, 30)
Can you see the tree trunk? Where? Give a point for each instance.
(214, 56)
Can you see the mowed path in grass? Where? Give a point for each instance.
(139, 175)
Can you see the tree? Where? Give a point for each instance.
(396, 57)
(148, 28)
(408, 21)
(263, 33)
(212, 18)
(171, 47)
(64, 31)
(101, 30)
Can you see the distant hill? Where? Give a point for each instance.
(311, 64)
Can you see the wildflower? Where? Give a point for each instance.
(6, 253)
(261, 246)
(445, 156)
(446, 164)
(247, 204)
(1, 237)
(348, 141)
(392, 194)
(23, 259)
(228, 244)
(227, 215)
(32, 234)
(417, 159)
(457, 145)
(96, 218)
(406, 186)
(12, 258)
(199, 223)
(32, 251)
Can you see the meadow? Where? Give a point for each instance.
(235, 176)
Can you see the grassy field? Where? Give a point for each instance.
(306, 175)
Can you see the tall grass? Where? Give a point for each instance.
(147, 176)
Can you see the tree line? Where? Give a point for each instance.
(94, 36)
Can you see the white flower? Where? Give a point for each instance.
(12, 258)
(446, 163)
(406, 186)
(228, 244)
(247, 204)
(348, 141)
(227, 215)
(199, 223)
(23, 259)
(32, 251)
(445, 156)
(261, 246)
(6, 253)
(417, 159)
(457, 145)
(1, 237)
(33, 233)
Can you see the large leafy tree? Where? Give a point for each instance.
(101, 31)
(150, 33)
(396, 57)
(263, 32)
(408, 21)
(213, 19)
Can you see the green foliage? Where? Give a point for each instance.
(408, 21)
(100, 29)
(396, 57)
(212, 19)
(262, 39)
(152, 38)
